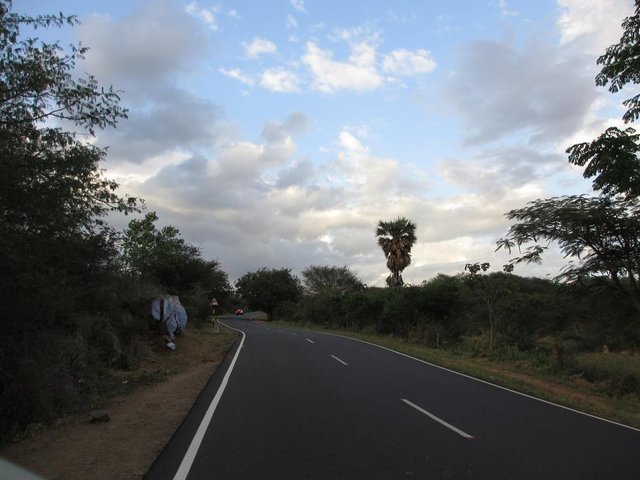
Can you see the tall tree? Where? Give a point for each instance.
(396, 238)
(163, 256)
(339, 279)
(53, 195)
(491, 289)
(602, 233)
(55, 248)
(613, 157)
(266, 288)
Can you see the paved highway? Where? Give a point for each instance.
(290, 404)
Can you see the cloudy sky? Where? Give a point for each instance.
(277, 133)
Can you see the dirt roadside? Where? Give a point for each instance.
(142, 419)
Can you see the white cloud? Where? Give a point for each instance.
(259, 46)
(291, 22)
(302, 213)
(266, 201)
(237, 74)
(505, 11)
(401, 18)
(405, 63)
(144, 53)
(365, 175)
(142, 49)
(295, 123)
(298, 5)
(351, 145)
(357, 74)
(176, 120)
(537, 90)
(205, 14)
(295, 175)
(366, 33)
(585, 21)
(280, 80)
(499, 172)
(364, 68)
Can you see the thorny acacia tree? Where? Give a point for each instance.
(396, 238)
(603, 233)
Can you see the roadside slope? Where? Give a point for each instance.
(142, 421)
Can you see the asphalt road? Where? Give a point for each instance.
(301, 405)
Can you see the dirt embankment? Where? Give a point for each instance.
(142, 419)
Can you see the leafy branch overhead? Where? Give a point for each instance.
(620, 64)
(37, 83)
(612, 159)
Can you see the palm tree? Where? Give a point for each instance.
(396, 238)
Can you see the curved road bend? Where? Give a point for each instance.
(304, 405)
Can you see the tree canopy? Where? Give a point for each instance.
(52, 191)
(162, 255)
(266, 288)
(53, 195)
(339, 279)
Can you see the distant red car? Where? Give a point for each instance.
(239, 311)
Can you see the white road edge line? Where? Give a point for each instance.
(548, 402)
(439, 420)
(192, 451)
(310, 341)
(341, 361)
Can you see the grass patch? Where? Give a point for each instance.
(615, 374)
(198, 345)
(532, 373)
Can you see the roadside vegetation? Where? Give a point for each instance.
(75, 293)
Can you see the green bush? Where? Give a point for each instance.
(287, 311)
(362, 308)
(324, 308)
(53, 356)
(401, 313)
